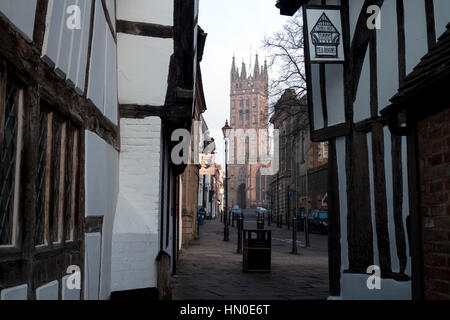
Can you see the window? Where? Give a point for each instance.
(248, 102)
(241, 115)
(10, 157)
(57, 179)
(247, 115)
(241, 102)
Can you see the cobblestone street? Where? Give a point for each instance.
(210, 268)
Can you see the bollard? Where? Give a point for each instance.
(240, 225)
(294, 235)
(260, 224)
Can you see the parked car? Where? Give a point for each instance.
(263, 212)
(318, 222)
(236, 211)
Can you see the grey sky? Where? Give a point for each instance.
(233, 26)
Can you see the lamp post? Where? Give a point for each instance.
(226, 135)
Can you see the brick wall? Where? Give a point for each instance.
(434, 164)
(135, 243)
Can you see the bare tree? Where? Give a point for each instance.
(286, 49)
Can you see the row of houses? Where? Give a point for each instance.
(92, 93)
(301, 182)
(377, 73)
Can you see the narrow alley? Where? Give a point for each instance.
(210, 269)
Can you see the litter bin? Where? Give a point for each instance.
(201, 217)
(257, 251)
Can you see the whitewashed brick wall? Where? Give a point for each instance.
(135, 235)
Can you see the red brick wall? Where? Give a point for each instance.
(434, 163)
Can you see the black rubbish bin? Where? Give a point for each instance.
(257, 251)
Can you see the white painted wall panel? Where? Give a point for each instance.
(102, 188)
(92, 265)
(21, 13)
(69, 294)
(66, 49)
(83, 54)
(65, 44)
(54, 26)
(441, 15)
(334, 74)
(355, 10)
(390, 199)
(405, 207)
(316, 97)
(48, 291)
(415, 32)
(136, 225)
(387, 54)
(111, 6)
(15, 293)
(143, 83)
(361, 107)
(111, 107)
(354, 287)
(96, 88)
(376, 257)
(342, 182)
(155, 11)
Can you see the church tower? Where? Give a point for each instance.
(249, 112)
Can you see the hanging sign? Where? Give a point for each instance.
(324, 34)
(208, 167)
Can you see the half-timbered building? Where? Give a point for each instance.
(77, 194)
(374, 215)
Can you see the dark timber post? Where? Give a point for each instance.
(240, 227)
(294, 235)
(226, 231)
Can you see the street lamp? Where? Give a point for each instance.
(226, 135)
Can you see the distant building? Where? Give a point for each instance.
(302, 177)
(249, 109)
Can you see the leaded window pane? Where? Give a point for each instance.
(8, 165)
(40, 180)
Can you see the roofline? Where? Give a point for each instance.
(289, 7)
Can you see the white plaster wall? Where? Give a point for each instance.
(102, 187)
(66, 49)
(354, 287)
(362, 103)
(48, 291)
(441, 15)
(136, 231)
(143, 64)
(415, 32)
(342, 182)
(102, 88)
(154, 11)
(316, 97)
(387, 54)
(334, 83)
(406, 201)
(21, 13)
(15, 293)
(376, 258)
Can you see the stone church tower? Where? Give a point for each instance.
(249, 110)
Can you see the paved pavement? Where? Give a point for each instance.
(210, 269)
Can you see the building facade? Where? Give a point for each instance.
(90, 94)
(302, 177)
(249, 143)
(373, 188)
